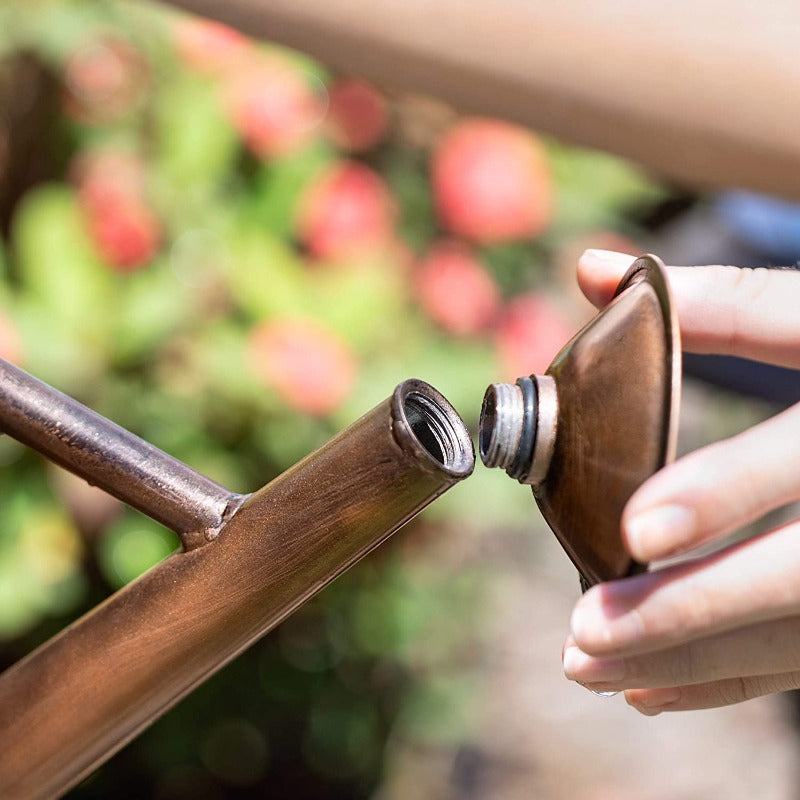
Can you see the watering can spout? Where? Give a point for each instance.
(74, 701)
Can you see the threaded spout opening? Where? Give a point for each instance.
(427, 423)
(518, 427)
(502, 416)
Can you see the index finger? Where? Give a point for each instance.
(753, 313)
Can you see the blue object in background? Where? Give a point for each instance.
(766, 224)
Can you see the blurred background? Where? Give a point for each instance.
(235, 251)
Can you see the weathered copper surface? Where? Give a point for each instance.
(618, 383)
(73, 702)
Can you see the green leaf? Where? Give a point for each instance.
(218, 361)
(364, 303)
(440, 711)
(460, 369)
(40, 564)
(594, 189)
(285, 438)
(266, 277)
(517, 266)
(405, 171)
(343, 734)
(58, 266)
(153, 306)
(131, 546)
(54, 350)
(195, 143)
(279, 185)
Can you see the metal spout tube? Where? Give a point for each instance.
(76, 700)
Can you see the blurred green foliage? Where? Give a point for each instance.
(142, 298)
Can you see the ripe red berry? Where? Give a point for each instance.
(456, 290)
(111, 186)
(208, 46)
(358, 117)
(108, 177)
(10, 342)
(492, 182)
(346, 212)
(530, 334)
(126, 234)
(311, 369)
(274, 107)
(105, 78)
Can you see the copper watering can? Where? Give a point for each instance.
(584, 435)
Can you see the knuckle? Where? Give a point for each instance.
(746, 688)
(735, 690)
(748, 288)
(749, 283)
(687, 666)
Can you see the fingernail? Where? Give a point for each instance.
(658, 532)
(585, 669)
(602, 621)
(609, 256)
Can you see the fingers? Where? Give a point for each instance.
(766, 648)
(751, 582)
(599, 274)
(715, 490)
(723, 628)
(710, 695)
(726, 310)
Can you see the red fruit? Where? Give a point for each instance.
(530, 334)
(208, 46)
(126, 234)
(346, 212)
(273, 107)
(455, 290)
(357, 117)
(491, 182)
(10, 343)
(108, 177)
(105, 78)
(111, 193)
(310, 368)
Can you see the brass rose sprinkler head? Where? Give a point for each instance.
(598, 423)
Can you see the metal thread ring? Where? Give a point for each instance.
(521, 465)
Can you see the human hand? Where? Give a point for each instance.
(725, 627)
